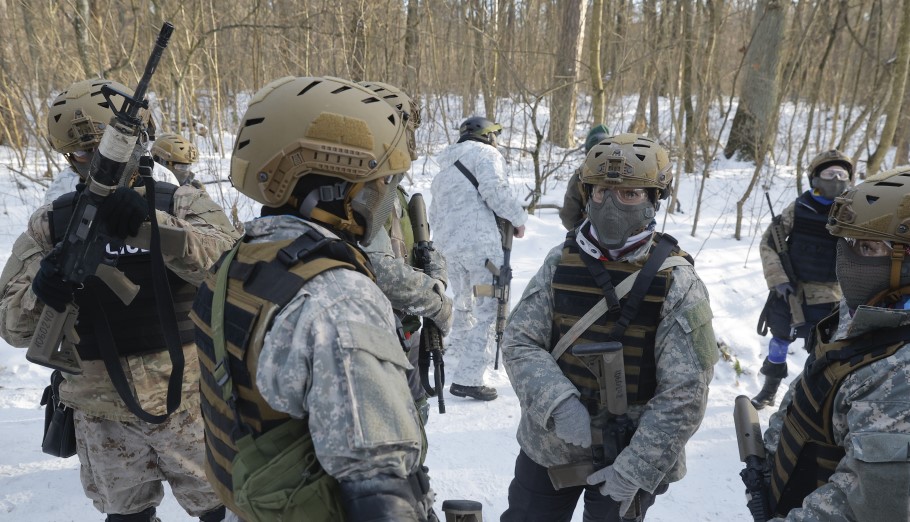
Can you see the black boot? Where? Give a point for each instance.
(481, 393)
(146, 515)
(766, 396)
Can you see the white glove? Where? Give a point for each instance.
(572, 423)
(615, 486)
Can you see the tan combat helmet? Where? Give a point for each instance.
(629, 161)
(828, 157)
(877, 209)
(410, 111)
(171, 147)
(295, 127)
(78, 115)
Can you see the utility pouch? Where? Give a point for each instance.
(570, 475)
(59, 429)
(277, 477)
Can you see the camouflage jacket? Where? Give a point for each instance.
(685, 353)
(573, 203)
(814, 292)
(332, 356)
(209, 233)
(871, 421)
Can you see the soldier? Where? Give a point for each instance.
(78, 153)
(413, 293)
(309, 353)
(469, 192)
(177, 154)
(573, 204)
(668, 349)
(846, 417)
(123, 459)
(811, 252)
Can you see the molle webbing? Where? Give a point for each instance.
(813, 250)
(261, 280)
(808, 454)
(574, 293)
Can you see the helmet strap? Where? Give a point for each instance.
(897, 259)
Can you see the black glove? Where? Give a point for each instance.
(50, 287)
(123, 211)
(379, 499)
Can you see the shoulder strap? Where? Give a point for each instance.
(661, 252)
(467, 173)
(601, 307)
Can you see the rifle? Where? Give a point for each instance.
(502, 281)
(431, 347)
(779, 243)
(752, 453)
(605, 360)
(81, 253)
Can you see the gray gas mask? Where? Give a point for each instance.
(615, 221)
(374, 204)
(861, 278)
(829, 188)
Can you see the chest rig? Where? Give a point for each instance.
(813, 250)
(808, 454)
(234, 309)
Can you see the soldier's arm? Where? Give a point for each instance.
(770, 260)
(332, 356)
(407, 288)
(538, 382)
(493, 186)
(872, 481)
(19, 307)
(685, 353)
(209, 233)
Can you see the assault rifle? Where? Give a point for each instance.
(431, 347)
(81, 253)
(609, 434)
(502, 281)
(779, 243)
(752, 453)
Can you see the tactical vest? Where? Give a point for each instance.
(575, 292)
(813, 250)
(807, 454)
(262, 280)
(136, 328)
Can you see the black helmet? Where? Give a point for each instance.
(480, 129)
(595, 136)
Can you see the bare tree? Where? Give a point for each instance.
(899, 83)
(565, 72)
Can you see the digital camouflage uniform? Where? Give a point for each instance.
(331, 353)
(871, 422)
(573, 203)
(465, 232)
(685, 352)
(411, 291)
(123, 460)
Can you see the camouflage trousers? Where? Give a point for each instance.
(124, 463)
(471, 338)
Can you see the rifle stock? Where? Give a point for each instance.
(752, 453)
(82, 249)
(431, 346)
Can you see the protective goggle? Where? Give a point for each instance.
(838, 173)
(869, 247)
(626, 196)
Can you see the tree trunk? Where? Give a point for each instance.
(412, 50)
(358, 44)
(899, 83)
(759, 89)
(688, 38)
(565, 73)
(597, 82)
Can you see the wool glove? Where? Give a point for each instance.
(443, 317)
(615, 486)
(784, 290)
(49, 285)
(572, 423)
(437, 268)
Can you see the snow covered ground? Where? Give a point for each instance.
(472, 446)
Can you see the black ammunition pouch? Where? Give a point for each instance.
(59, 428)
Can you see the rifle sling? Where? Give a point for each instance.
(600, 308)
(467, 173)
(165, 304)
